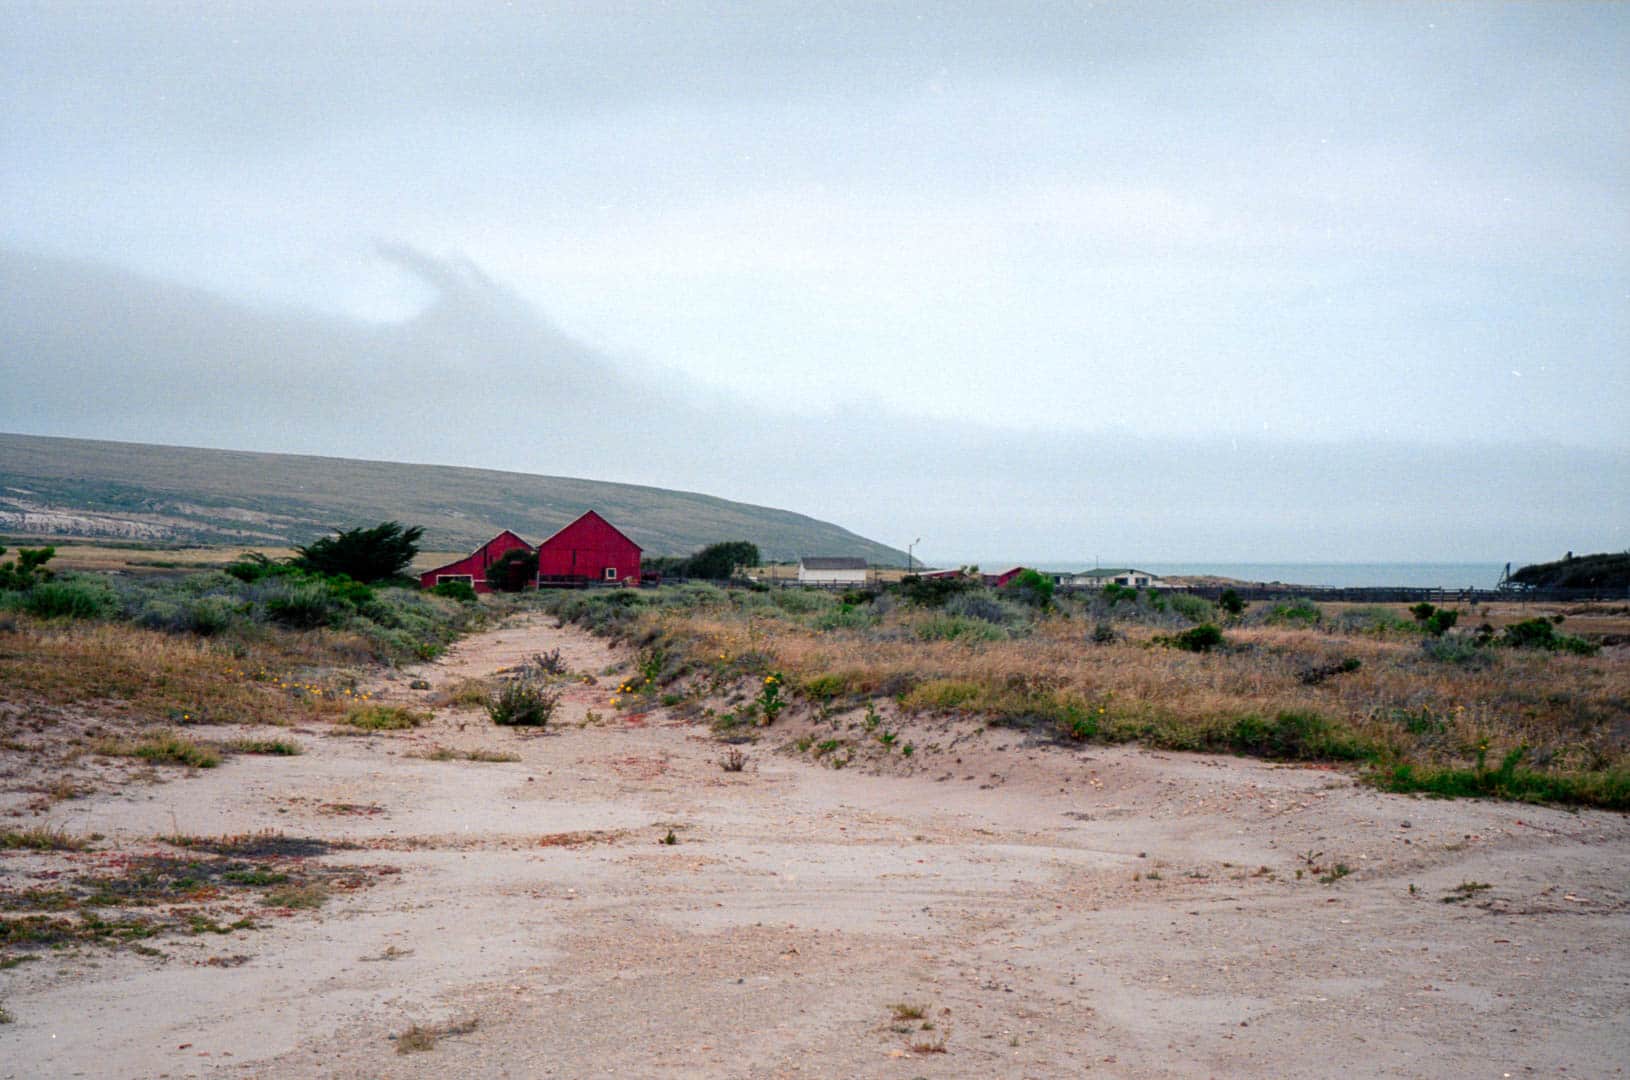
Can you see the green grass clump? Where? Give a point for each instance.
(274, 747)
(164, 748)
(298, 897)
(1608, 789)
(384, 718)
(40, 838)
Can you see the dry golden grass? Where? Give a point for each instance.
(1569, 712)
(152, 676)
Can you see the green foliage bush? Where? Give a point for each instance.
(365, 555)
(1202, 638)
(1291, 736)
(1196, 609)
(931, 592)
(27, 569)
(1232, 603)
(1542, 634)
(522, 703)
(68, 598)
(957, 628)
(512, 572)
(1298, 612)
(1115, 593)
(1031, 588)
(303, 605)
(1440, 622)
(462, 591)
(719, 562)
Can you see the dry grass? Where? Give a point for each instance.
(152, 676)
(464, 694)
(420, 1037)
(447, 753)
(1270, 691)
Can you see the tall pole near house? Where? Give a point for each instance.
(910, 564)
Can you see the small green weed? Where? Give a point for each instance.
(384, 718)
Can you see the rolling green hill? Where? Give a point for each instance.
(80, 487)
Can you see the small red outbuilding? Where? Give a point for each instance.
(590, 549)
(472, 569)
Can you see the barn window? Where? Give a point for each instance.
(468, 579)
(611, 573)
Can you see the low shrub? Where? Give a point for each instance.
(522, 703)
(957, 628)
(1199, 639)
(384, 718)
(68, 598)
(1467, 652)
(1542, 634)
(1291, 736)
(462, 591)
(932, 592)
(1196, 609)
(1298, 612)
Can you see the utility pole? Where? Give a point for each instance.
(910, 563)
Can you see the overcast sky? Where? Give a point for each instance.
(1150, 281)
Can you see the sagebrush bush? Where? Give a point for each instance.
(1202, 638)
(981, 605)
(74, 597)
(522, 703)
(1196, 609)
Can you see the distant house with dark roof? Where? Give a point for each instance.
(832, 570)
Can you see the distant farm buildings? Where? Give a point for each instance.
(589, 550)
(832, 571)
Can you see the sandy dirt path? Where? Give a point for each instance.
(987, 908)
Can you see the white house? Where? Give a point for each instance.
(1131, 579)
(832, 570)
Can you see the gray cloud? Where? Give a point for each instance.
(480, 378)
(1061, 258)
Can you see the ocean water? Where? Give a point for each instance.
(1344, 575)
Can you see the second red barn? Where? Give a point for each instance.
(589, 549)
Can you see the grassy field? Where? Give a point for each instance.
(1293, 681)
(222, 497)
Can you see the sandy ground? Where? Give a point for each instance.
(1050, 912)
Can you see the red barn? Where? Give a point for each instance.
(996, 581)
(472, 569)
(589, 549)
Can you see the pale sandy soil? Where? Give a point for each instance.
(1052, 911)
